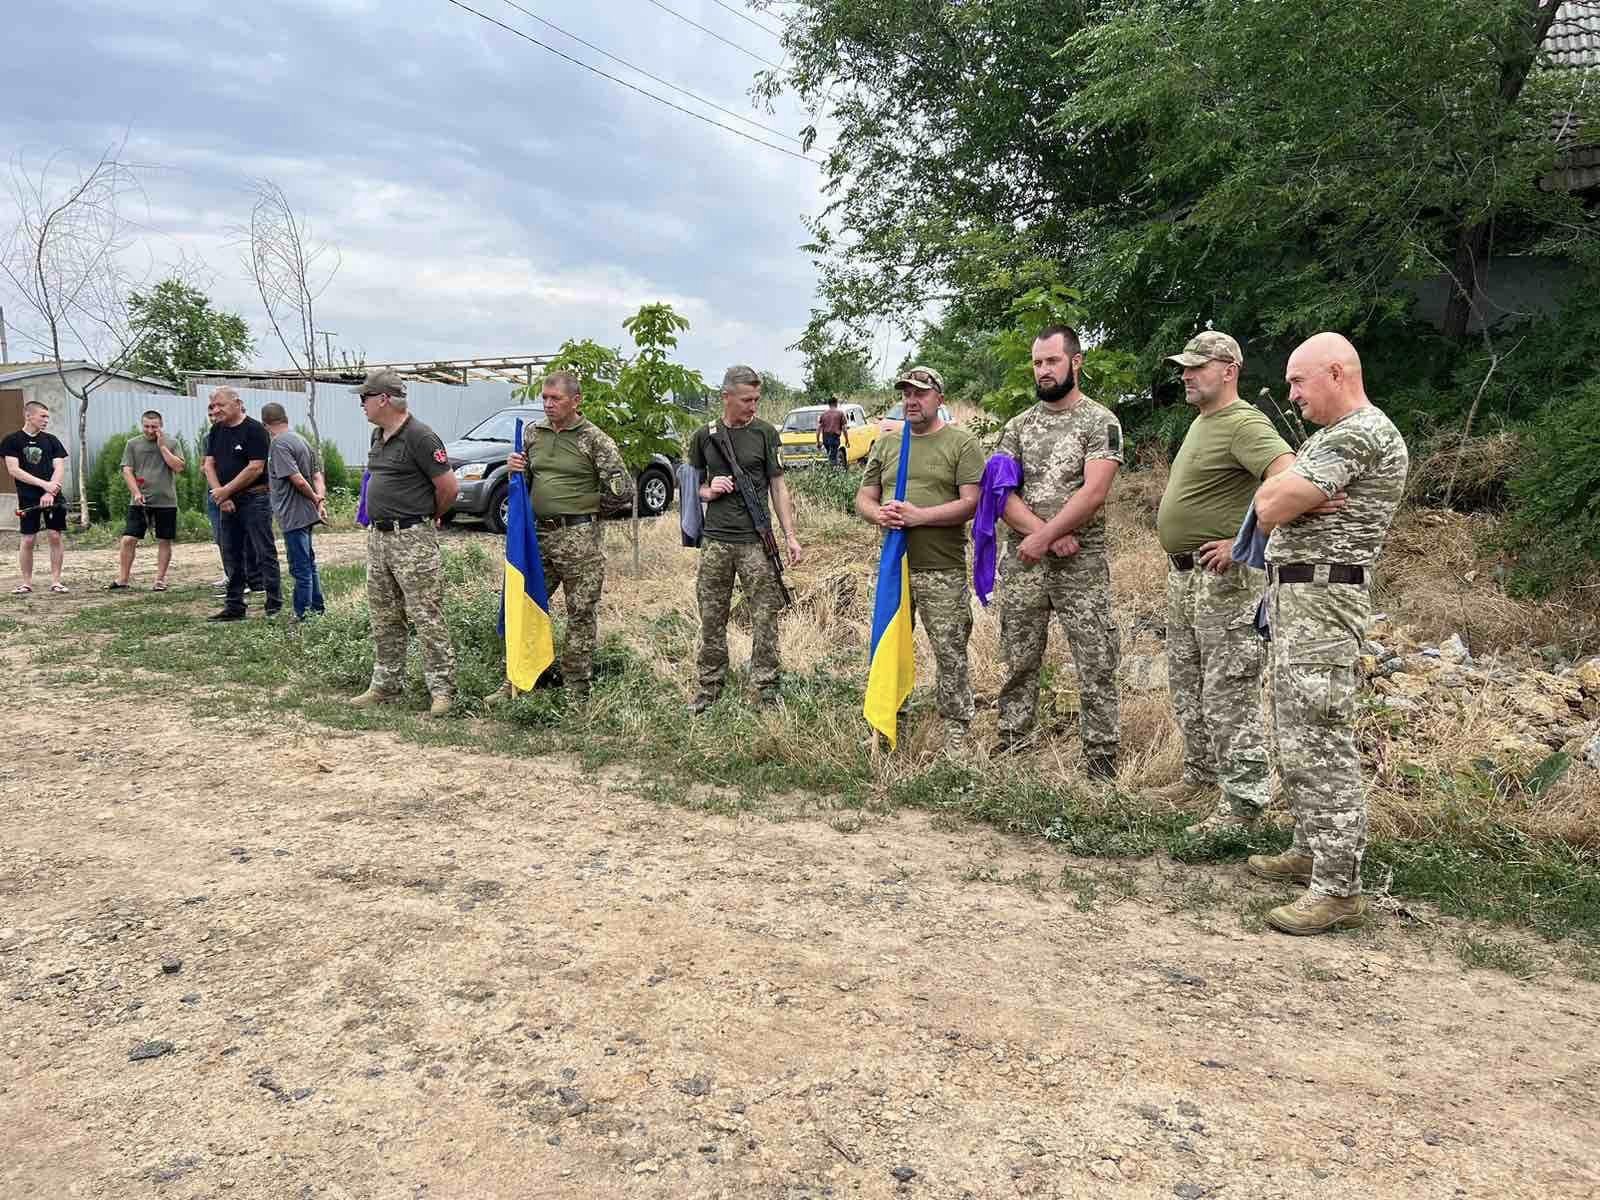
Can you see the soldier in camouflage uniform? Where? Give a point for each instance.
(1069, 448)
(571, 466)
(942, 478)
(411, 485)
(1214, 654)
(731, 549)
(1319, 566)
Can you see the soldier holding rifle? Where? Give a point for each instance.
(737, 457)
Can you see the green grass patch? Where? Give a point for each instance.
(736, 758)
(1491, 954)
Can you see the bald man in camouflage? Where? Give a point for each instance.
(1319, 572)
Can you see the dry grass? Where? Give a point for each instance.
(1434, 582)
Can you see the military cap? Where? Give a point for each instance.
(1204, 347)
(382, 381)
(923, 379)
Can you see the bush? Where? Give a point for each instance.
(108, 494)
(1554, 531)
(827, 487)
(334, 472)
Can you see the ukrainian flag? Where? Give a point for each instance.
(890, 669)
(525, 615)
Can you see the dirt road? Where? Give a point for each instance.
(362, 968)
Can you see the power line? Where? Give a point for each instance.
(744, 16)
(715, 34)
(664, 82)
(633, 87)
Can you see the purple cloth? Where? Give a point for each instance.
(361, 508)
(1001, 475)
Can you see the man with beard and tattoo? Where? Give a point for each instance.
(1067, 448)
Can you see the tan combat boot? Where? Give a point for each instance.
(506, 692)
(441, 705)
(371, 698)
(1287, 867)
(1224, 818)
(1312, 914)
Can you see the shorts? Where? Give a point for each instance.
(54, 517)
(143, 516)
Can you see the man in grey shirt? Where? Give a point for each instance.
(299, 493)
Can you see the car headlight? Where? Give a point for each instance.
(471, 471)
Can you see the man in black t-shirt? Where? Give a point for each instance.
(37, 462)
(731, 549)
(235, 467)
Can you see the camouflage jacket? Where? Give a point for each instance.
(1053, 448)
(569, 470)
(1364, 456)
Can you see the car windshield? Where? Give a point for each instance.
(898, 413)
(802, 420)
(502, 427)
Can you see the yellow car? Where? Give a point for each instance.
(798, 438)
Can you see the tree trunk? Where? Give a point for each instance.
(83, 459)
(311, 418)
(637, 569)
(1467, 284)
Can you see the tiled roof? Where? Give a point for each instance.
(1573, 44)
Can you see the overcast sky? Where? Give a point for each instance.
(487, 197)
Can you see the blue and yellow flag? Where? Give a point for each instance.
(525, 613)
(890, 669)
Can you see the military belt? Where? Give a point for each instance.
(396, 525)
(1307, 573)
(1181, 562)
(562, 522)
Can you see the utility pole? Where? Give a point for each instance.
(5, 354)
(327, 347)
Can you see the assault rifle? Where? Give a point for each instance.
(756, 505)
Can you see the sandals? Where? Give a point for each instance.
(114, 586)
(159, 585)
(59, 588)
(22, 589)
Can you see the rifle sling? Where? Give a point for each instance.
(758, 512)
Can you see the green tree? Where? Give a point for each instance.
(835, 368)
(1271, 169)
(181, 331)
(633, 399)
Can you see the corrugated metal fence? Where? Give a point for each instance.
(451, 411)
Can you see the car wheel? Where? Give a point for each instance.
(655, 492)
(495, 515)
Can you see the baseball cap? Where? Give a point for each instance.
(921, 378)
(382, 380)
(1204, 347)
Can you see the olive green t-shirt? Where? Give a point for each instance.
(152, 472)
(940, 463)
(403, 470)
(756, 447)
(1215, 475)
(571, 468)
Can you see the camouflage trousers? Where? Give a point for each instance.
(574, 560)
(1078, 591)
(1214, 664)
(721, 563)
(939, 599)
(405, 579)
(1317, 631)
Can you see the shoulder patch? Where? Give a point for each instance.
(1114, 436)
(439, 456)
